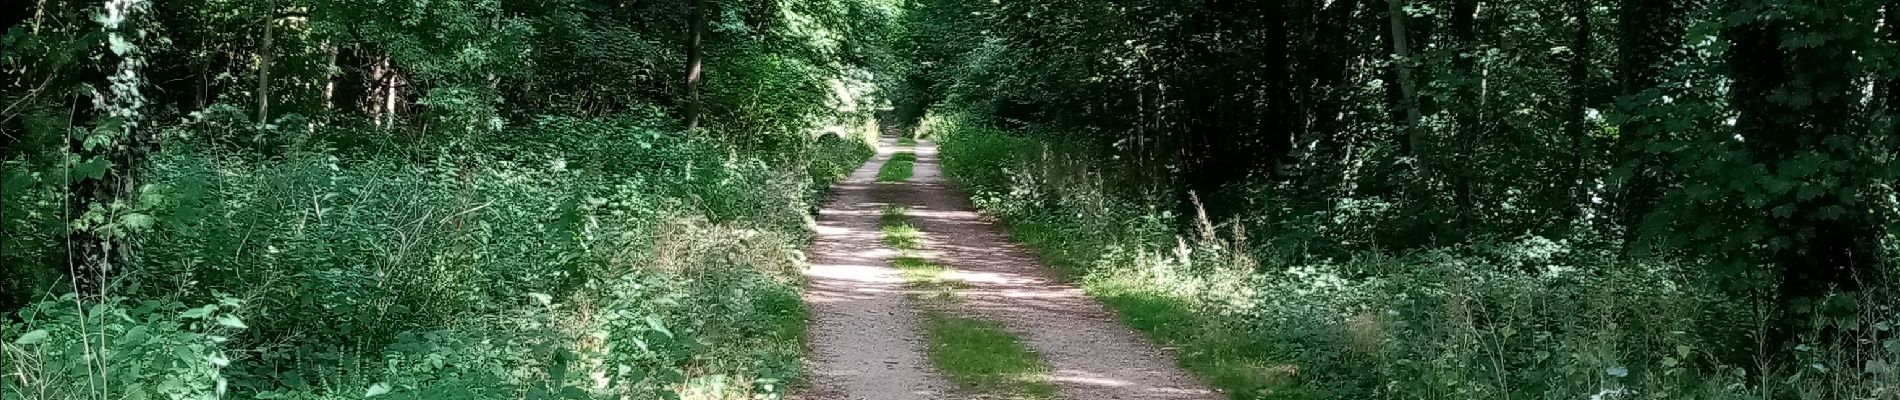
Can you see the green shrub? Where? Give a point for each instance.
(117, 348)
(834, 158)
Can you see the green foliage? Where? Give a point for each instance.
(1527, 199)
(447, 200)
(833, 158)
(117, 348)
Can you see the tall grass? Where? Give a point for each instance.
(627, 262)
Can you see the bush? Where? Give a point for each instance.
(117, 348)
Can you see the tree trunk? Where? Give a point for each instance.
(1827, 246)
(1402, 55)
(695, 54)
(1464, 16)
(1575, 125)
(389, 95)
(1648, 31)
(106, 171)
(263, 72)
(330, 76)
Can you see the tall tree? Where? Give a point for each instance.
(1799, 115)
(695, 55)
(1647, 32)
(1408, 94)
(265, 52)
(106, 157)
(1582, 49)
(1468, 111)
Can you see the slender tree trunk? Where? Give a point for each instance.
(1575, 125)
(389, 95)
(1329, 63)
(330, 77)
(1464, 20)
(1380, 22)
(263, 72)
(1402, 56)
(695, 54)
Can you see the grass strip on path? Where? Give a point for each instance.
(898, 169)
(976, 354)
(981, 355)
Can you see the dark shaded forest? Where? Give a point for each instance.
(1448, 198)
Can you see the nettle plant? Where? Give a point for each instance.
(118, 349)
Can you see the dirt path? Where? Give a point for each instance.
(866, 342)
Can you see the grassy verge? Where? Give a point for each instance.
(1235, 366)
(898, 169)
(907, 141)
(975, 354)
(1461, 321)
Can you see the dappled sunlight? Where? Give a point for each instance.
(854, 273)
(1084, 378)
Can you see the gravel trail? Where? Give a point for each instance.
(866, 341)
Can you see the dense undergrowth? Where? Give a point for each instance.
(459, 199)
(669, 265)
(1530, 317)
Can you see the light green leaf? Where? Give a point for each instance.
(93, 168)
(31, 337)
(654, 323)
(199, 312)
(119, 45)
(377, 390)
(136, 222)
(231, 321)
